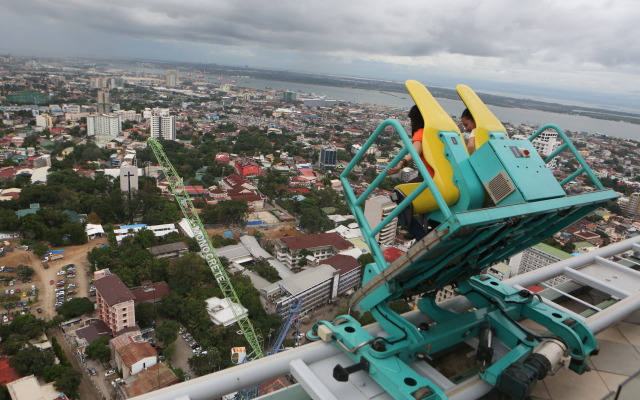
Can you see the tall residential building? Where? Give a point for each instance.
(104, 102)
(172, 77)
(633, 205)
(163, 127)
(105, 124)
(44, 120)
(546, 142)
(375, 210)
(115, 303)
(328, 156)
(538, 256)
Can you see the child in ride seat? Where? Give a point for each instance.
(470, 126)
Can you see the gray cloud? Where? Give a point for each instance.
(487, 36)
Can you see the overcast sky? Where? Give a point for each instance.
(588, 50)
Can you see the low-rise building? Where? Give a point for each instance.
(321, 246)
(170, 250)
(28, 388)
(220, 311)
(315, 287)
(153, 378)
(349, 269)
(135, 357)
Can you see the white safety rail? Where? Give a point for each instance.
(602, 287)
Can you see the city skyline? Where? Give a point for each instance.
(568, 50)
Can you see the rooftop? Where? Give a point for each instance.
(342, 263)
(321, 239)
(134, 352)
(113, 290)
(562, 255)
(155, 377)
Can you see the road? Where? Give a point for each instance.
(86, 389)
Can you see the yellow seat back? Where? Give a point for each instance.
(485, 120)
(435, 120)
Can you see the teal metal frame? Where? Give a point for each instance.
(468, 240)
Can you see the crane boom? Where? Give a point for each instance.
(206, 248)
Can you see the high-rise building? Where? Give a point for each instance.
(375, 210)
(163, 127)
(172, 78)
(328, 156)
(104, 124)
(104, 102)
(633, 205)
(44, 120)
(538, 256)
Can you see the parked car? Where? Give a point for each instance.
(110, 372)
(93, 371)
(182, 330)
(18, 290)
(39, 310)
(51, 282)
(6, 283)
(11, 291)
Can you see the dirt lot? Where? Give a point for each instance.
(284, 231)
(76, 255)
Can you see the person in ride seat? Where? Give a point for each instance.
(470, 126)
(414, 228)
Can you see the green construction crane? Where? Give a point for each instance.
(206, 248)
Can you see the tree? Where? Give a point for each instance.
(76, 307)
(146, 313)
(171, 305)
(69, 382)
(53, 372)
(366, 259)
(568, 247)
(169, 351)
(32, 360)
(27, 325)
(400, 306)
(189, 272)
(24, 271)
(167, 332)
(99, 349)
(204, 364)
(40, 249)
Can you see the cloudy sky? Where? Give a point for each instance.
(583, 50)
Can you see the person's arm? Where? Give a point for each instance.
(406, 161)
(471, 143)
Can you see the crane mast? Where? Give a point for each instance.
(206, 248)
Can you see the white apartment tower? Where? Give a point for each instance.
(172, 77)
(375, 210)
(104, 124)
(163, 127)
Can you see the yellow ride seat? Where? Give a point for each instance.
(435, 120)
(485, 120)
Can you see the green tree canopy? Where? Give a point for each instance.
(76, 307)
(146, 313)
(69, 382)
(205, 363)
(32, 360)
(167, 332)
(99, 349)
